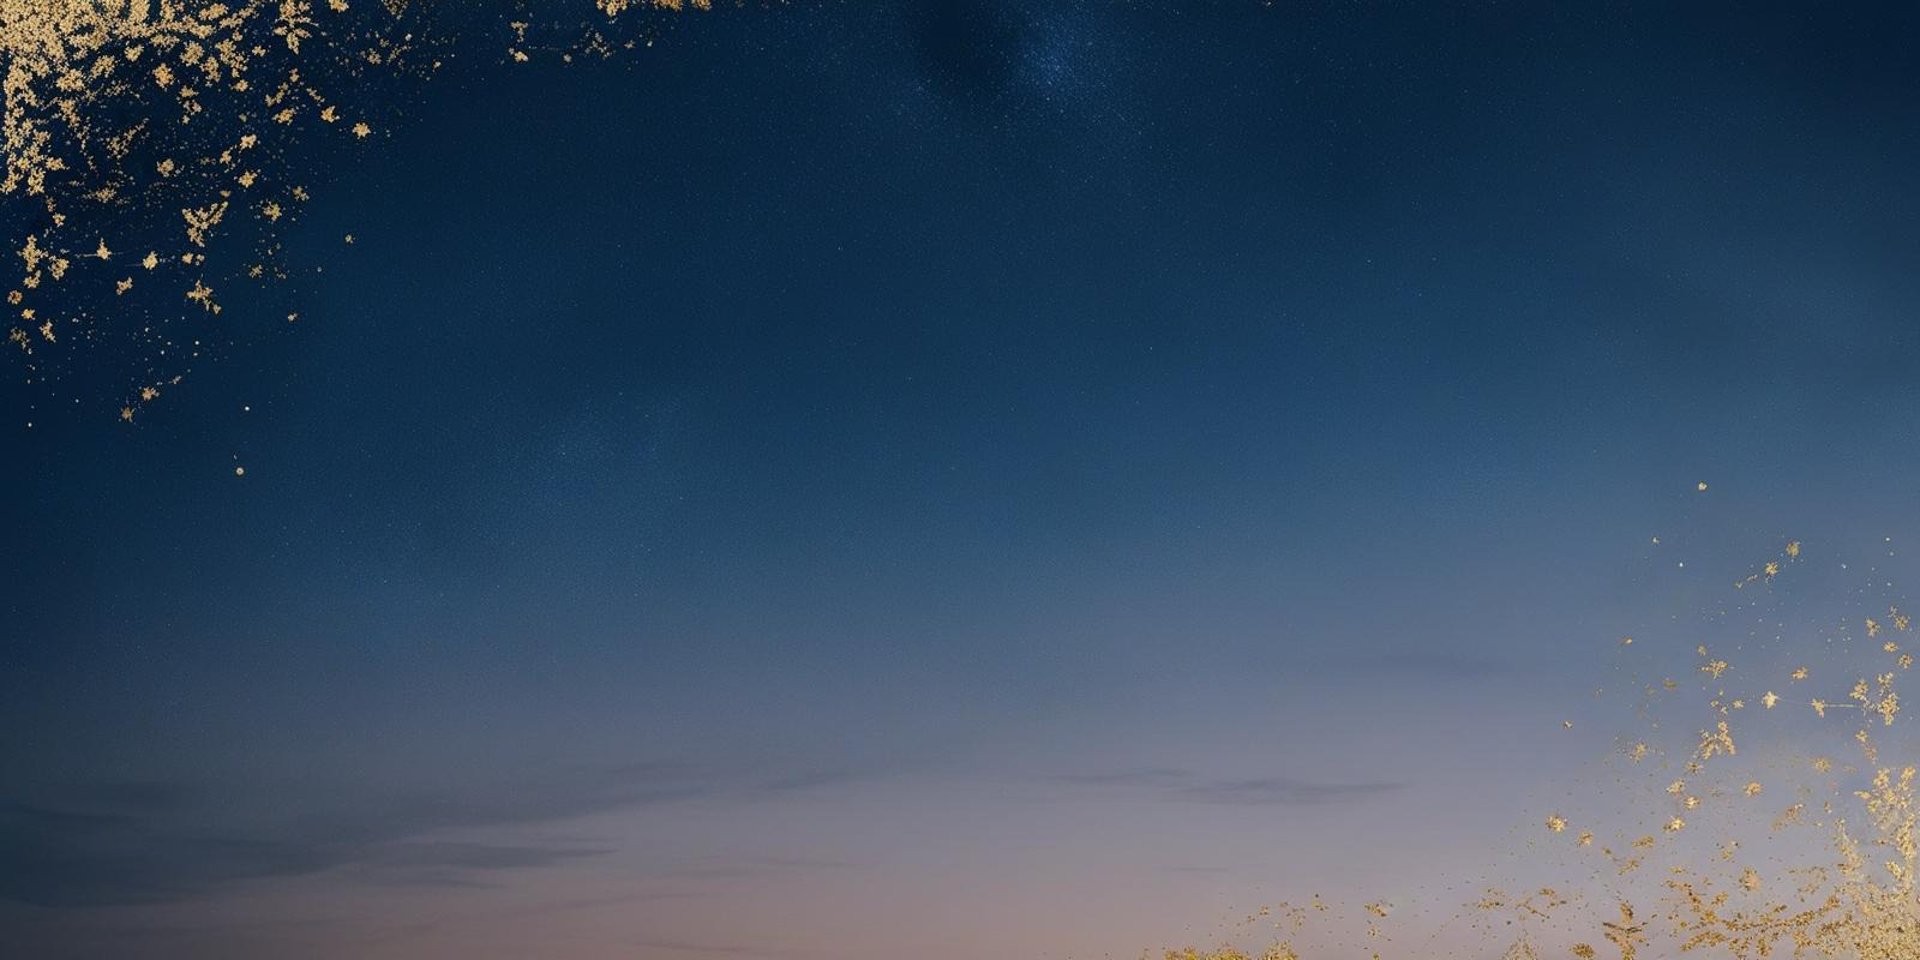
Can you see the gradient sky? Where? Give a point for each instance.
(956, 479)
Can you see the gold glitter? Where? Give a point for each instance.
(123, 111)
(1858, 905)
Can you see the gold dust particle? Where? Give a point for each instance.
(1701, 486)
(203, 295)
(1799, 673)
(1717, 742)
(239, 471)
(1676, 825)
(201, 221)
(1793, 548)
(1556, 823)
(1770, 699)
(1626, 935)
(1752, 789)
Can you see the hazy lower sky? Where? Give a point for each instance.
(956, 479)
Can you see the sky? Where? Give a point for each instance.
(956, 479)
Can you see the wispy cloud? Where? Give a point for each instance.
(1150, 777)
(1282, 791)
(690, 948)
(101, 843)
(1184, 785)
(444, 864)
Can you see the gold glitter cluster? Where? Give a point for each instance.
(1767, 824)
(137, 133)
(147, 141)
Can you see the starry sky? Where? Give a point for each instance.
(955, 478)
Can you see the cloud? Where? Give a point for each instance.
(1282, 791)
(480, 856)
(447, 864)
(64, 858)
(1155, 776)
(106, 843)
(1183, 785)
(728, 867)
(711, 949)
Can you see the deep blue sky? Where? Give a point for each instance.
(865, 456)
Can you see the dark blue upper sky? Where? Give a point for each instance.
(868, 396)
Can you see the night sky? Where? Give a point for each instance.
(955, 479)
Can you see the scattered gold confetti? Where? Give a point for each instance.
(147, 107)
